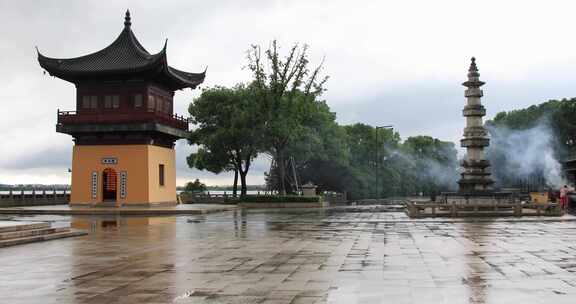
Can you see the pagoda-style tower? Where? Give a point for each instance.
(124, 128)
(476, 168)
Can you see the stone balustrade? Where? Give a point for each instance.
(431, 209)
(33, 198)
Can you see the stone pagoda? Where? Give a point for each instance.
(476, 168)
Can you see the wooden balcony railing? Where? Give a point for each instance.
(172, 120)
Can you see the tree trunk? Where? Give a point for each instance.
(243, 183)
(235, 187)
(281, 171)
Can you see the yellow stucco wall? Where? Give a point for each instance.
(140, 162)
(167, 193)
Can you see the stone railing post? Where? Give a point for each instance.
(518, 209)
(412, 210)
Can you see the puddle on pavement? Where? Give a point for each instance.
(115, 223)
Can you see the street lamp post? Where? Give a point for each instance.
(377, 163)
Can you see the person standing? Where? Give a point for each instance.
(564, 196)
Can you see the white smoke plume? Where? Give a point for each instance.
(520, 154)
(444, 174)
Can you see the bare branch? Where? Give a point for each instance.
(288, 66)
(312, 79)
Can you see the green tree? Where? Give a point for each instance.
(195, 187)
(321, 150)
(228, 131)
(215, 161)
(284, 86)
(370, 157)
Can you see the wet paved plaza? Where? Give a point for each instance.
(299, 257)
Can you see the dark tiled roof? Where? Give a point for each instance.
(187, 77)
(123, 57)
(124, 54)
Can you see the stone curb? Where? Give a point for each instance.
(120, 211)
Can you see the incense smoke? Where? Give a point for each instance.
(518, 155)
(442, 174)
(427, 169)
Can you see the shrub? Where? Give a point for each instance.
(279, 199)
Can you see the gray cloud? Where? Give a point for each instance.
(388, 63)
(47, 157)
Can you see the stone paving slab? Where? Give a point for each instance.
(358, 214)
(298, 257)
(141, 211)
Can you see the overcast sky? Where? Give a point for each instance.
(389, 62)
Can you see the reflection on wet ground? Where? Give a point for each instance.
(286, 256)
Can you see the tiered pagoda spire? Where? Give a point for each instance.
(476, 168)
(127, 21)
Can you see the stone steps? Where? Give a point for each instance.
(21, 233)
(32, 232)
(10, 226)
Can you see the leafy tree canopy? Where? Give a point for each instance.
(195, 187)
(228, 131)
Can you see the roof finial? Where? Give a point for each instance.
(127, 21)
(473, 67)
